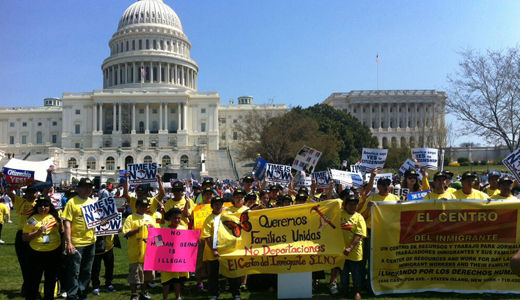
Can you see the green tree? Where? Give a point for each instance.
(397, 155)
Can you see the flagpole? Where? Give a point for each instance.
(377, 70)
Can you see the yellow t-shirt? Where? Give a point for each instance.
(498, 197)
(157, 216)
(451, 190)
(475, 194)
(136, 242)
(4, 212)
(352, 225)
(490, 192)
(167, 276)
(374, 198)
(154, 203)
(233, 210)
(207, 232)
(435, 196)
(80, 235)
(54, 240)
(180, 204)
(24, 209)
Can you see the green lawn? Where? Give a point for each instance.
(11, 280)
(460, 170)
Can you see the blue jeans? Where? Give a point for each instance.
(355, 268)
(78, 272)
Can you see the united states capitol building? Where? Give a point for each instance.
(149, 110)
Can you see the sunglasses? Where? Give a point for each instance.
(43, 205)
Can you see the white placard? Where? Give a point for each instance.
(322, 179)
(278, 173)
(379, 176)
(306, 159)
(99, 212)
(426, 157)
(39, 168)
(373, 158)
(346, 178)
(142, 173)
(512, 162)
(111, 227)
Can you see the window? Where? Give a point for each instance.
(54, 123)
(223, 121)
(11, 139)
(184, 161)
(72, 163)
(223, 136)
(77, 145)
(235, 136)
(147, 159)
(78, 111)
(154, 111)
(147, 44)
(154, 126)
(24, 139)
(24, 124)
(77, 128)
(166, 161)
(203, 127)
(141, 127)
(11, 124)
(110, 163)
(54, 139)
(133, 45)
(141, 110)
(354, 110)
(140, 44)
(39, 123)
(173, 110)
(91, 163)
(140, 143)
(39, 137)
(202, 110)
(234, 121)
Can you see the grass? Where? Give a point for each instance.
(459, 170)
(11, 280)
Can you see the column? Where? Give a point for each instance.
(185, 114)
(371, 117)
(168, 73)
(113, 75)
(151, 72)
(195, 80)
(215, 118)
(147, 118)
(120, 117)
(179, 111)
(101, 117)
(166, 116)
(113, 117)
(134, 74)
(94, 119)
(159, 75)
(175, 75)
(388, 116)
(133, 116)
(182, 76)
(126, 73)
(210, 119)
(406, 114)
(160, 116)
(379, 109)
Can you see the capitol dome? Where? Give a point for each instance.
(150, 12)
(149, 49)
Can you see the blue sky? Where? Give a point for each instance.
(293, 52)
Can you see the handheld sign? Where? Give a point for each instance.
(409, 165)
(22, 172)
(202, 211)
(426, 157)
(278, 173)
(306, 159)
(355, 168)
(99, 212)
(418, 195)
(142, 173)
(259, 169)
(346, 178)
(322, 179)
(512, 162)
(373, 158)
(110, 227)
(379, 176)
(304, 181)
(171, 250)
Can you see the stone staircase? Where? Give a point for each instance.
(219, 165)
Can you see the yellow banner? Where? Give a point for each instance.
(299, 238)
(446, 246)
(201, 212)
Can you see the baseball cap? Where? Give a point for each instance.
(449, 174)
(251, 196)
(143, 188)
(248, 178)
(439, 174)
(216, 199)
(207, 190)
(85, 181)
(239, 192)
(301, 197)
(384, 181)
(143, 202)
(275, 187)
(178, 186)
(303, 189)
(410, 173)
(283, 198)
(468, 174)
(494, 173)
(505, 179)
(208, 181)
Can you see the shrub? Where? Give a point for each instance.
(465, 163)
(460, 160)
(475, 163)
(454, 164)
(483, 162)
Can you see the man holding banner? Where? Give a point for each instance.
(79, 242)
(142, 192)
(439, 188)
(467, 191)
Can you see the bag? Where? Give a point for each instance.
(100, 245)
(117, 241)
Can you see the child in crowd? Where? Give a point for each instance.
(174, 218)
(4, 213)
(135, 230)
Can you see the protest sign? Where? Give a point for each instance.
(142, 173)
(171, 250)
(512, 162)
(346, 178)
(444, 246)
(306, 159)
(292, 239)
(277, 173)
(22, 172)
(99, 212)
(373, 159)
(418, 195)
(426, 157)
(302, 179)
(56, 200)
(110, 227)
(379, 176)
(407, 165)
(355, 168)
(259, 169)
(322, 179)
(202, 211)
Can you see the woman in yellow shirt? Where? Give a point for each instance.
(42, 231)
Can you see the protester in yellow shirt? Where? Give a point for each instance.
(284, 200)
(179, 201)
(505, 185)
(251, 200)
(411, 181)
(43, 232)
(105, 254)
(383, 194)
(493, 188)
(238, 202)
(467, 191)
(173, 217)
(354, 230)
(301, 198)
(447, 182)
(211, 253)
(4, 212)
(135, 230)
(79, 242)
(142, 191)
(439, 188)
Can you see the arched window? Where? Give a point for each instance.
(154, 126)
(173, 126)
(147, 159)
(185, 161)
(91, 163)
(141, 127)
(412, 142)
(385, 142)
(39, 137)
(110, 163)
(129, 160)
(72, 163)
(403, 141)
(166, 161)
(394, 141)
